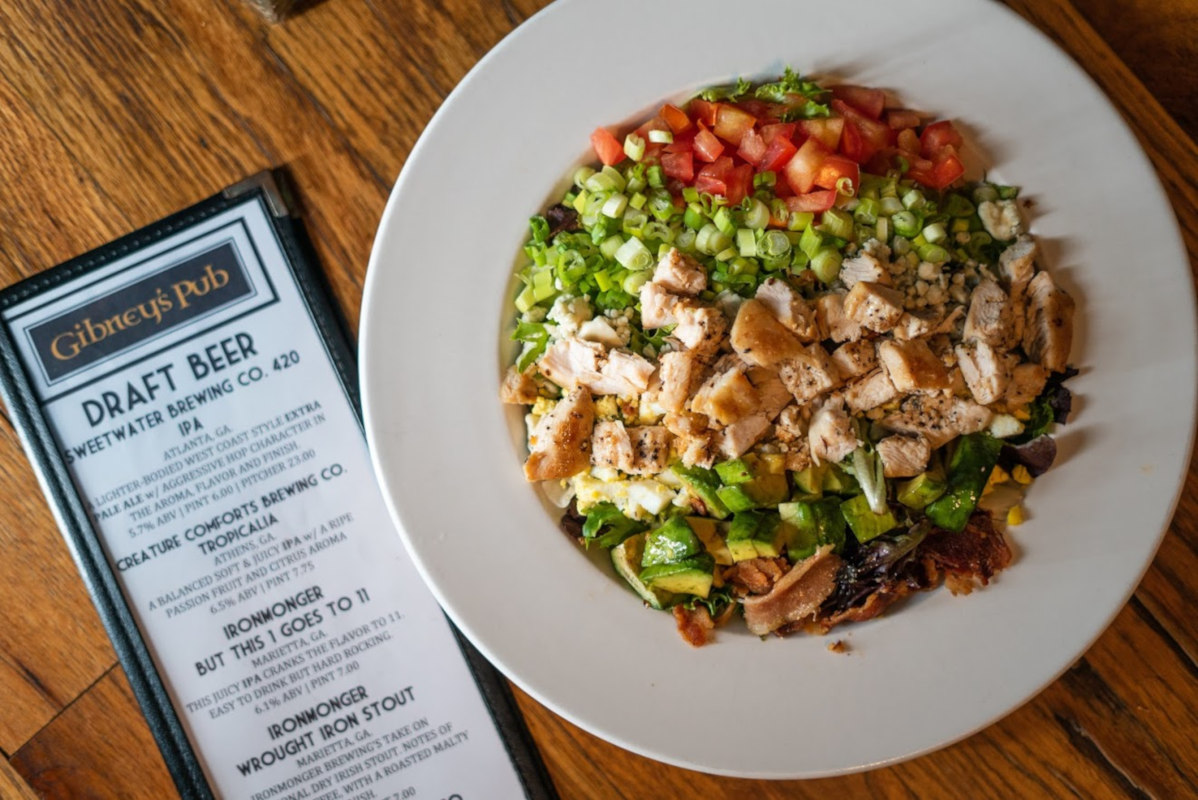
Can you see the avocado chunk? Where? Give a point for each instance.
(736, 497)
(626, 558)
(810, 481)
(917, 492)
(969, 468)
(690, 576)
(710, 534)
(674, 541)
(763, 491)
(703, 484)
(864, 523)
(813, 523)
(734, 472)
(754, 534)
(837, 481)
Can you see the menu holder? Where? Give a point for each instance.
(188, 400)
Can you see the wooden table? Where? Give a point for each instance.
(114, 113)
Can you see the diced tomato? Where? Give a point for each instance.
(678, 165)
(826, 129)
(874, 134)
(752, 147)
(853, 145)
(937, 174)
(820, 200)
(731, 123)
(774, 130)
(802, 169)
(713, 177)
(607, 146)
(779, 151)
(675, 117)
(899, 118)
(707, 146)
(758, 108)
(702, 111)
(683, 142)
(867, 101)
(908, 140)
(834, 168)
(937, 136)
(740, 183)
(948, 170)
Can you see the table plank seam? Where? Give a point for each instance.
(1151, 620)
(1081, 741)
(17, 754)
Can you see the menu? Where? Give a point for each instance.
(191, 395)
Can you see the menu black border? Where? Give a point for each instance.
(273, 189)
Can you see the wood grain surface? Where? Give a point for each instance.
(114, 113)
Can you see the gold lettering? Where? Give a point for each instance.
(72, 347)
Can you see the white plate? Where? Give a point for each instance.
(933, 671)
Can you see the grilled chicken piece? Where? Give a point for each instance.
(854, 359)
(747, 431)
(700, 450)
(796, 596)
(875, 389)
(636, 450)
(904, 456)
(657, 306)
(874, 306)
(940, 418)
(700, 328)
(685, 423)
(573, 362)
(986, 371)
(863, 267)
(679, 273)
(831, 435)
(518, 388)
(809, 374)
(600, 330)
(791, 425)
(1048, 329)
(561, 444)
(1027, 381)
(834, 323)
(726, 396)
(1017, 264)
(760, 338)
(772, 392)
(990, 318)
(789, 308)
(917, 324)
(679, 372)
(913, 367)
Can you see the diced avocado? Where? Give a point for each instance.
(736, 498)
(764, 491)
(703, 483)
(813, 523)
(756, 533)
(734, 472)
(770, 463)
(810, 481)
(690, 576)
(922, 489)
(626, 558)
(968, 470)
(709, 533)
(837, 481)
(865, 523)
(674, 541)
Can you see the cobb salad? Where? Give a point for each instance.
(783, 361)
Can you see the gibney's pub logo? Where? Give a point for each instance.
(111, 324)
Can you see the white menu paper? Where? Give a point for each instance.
(204, 424)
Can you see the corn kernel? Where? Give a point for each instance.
(1022, 414)
(1021, 475)
(999, 475)
(1015, 515)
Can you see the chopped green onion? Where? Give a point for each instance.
(661, 137)
(581, 175)
(757, 214)
(723, 220)
(811, 241)
(844, 186)
(867, 210)
(914, 200)
(934, 253)
(614, 206)
(774, 244)
(690, 194)
(767, 179)
(985, 192)
(693, 217)
(685, 240)
(727, 254)
(905, 224)
(637, 201)
(635, 280)
(661, 206)
(634, 255)
(826, 264)
(660, 231)
(957, 205)
(882, 232)
(891, 206)
(525, 300)
(746, 242)
(837, 222)
(800, 220)
(935, 233)
(656, 178)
